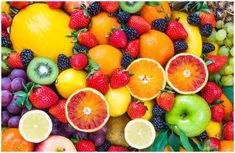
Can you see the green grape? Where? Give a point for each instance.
(227, 80)
(228, 70)
(222, 69)
(230, 30)
(220, 42)
(228, 42)
(219, 24)
(228, 25)
(231, 61)
(229, 35)
(212, 38)
(223, 51)
(220, 35)
(231, 51)
(214, 77)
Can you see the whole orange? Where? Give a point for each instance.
(156, 45)
(108, 57)
(228, 107)
(150, 13)
(102, 25)
(226, 146)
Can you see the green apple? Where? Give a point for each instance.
(190, 113)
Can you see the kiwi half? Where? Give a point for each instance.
(131, 6)
(42, 70)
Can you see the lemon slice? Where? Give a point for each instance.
(139, 133)
(35, 126)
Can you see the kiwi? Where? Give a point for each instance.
(131, 6)
(42, 70)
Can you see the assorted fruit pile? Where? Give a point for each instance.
(117, 76)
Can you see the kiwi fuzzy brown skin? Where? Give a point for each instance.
(131, 6)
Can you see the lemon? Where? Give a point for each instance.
(214, 129)
(35, 126)
(5, 7)
(148, 115)
(70, 81)
(118, 100)
(139, 133)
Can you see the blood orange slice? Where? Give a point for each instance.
(148, 79)
(87, 110)
(186, 73)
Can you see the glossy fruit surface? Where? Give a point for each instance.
(226, 146)
(228, 107)
(214, 129)
(149, 104)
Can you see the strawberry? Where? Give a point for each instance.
(79, 19)
(166, 100)
(43, 97)
(139, 24)
(55, 4)
(176, 31)
(217, 112)
(4, 33)
(85, 146)
(19, 4)
(133, 48)
(218, 61)
(117, 149)
(14, 60)
(214, 144)
(87, 39)
(58, 111)
(109, 6)
(5, 20)
(136, 110)
(78, 61)
(211, 92)
(119, 78)
(228, 131)
(118, 38)
(207, 18)
(98, 81)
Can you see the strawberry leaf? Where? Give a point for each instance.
(91, 67)
(208, 62)
(185, 141)
(174, 142)
(160, 142)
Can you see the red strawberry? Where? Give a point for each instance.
(43, 97)
(139, 24)
(207, 18)
(166, 100)
(98, 81)
(211, 92)
(85, 146)
(218, 61)
(109, 7)
(228, 131)
(136, 110)
(78, 61)
(14, 60)
(4, 33)
(217, 112)
(133, 48)
(176, 31)
(87, 39)
(5, 20)
(58, 111)
(55, 4)
(214, 144)
(118, 38)
(79, 19)
(19, 4)
(119, 78)
(117, 149)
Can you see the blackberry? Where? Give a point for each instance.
(131, 33)
(104, 147)
(206, 30)
(63, 62)
(160, 24)
(26, 56)
(126, 59)
(180, 46)
(94, 8)
(202, 136)
(158, 123)
(194, 19)
(123, 16)
(80, 49)
(207, 47)
(157, 111)
(6, 42)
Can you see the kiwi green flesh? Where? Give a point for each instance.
(131, 6)
(42, 70)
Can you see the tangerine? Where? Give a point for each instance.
(226, 146)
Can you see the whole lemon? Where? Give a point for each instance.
(214, 129)
(70, 81)
(118, 100)
(149, 104)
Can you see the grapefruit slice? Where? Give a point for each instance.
(186, 73)
(147, 80)
(87, 110)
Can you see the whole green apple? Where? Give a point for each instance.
(190, 113)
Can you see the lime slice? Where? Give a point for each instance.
(35, 126)
(139, 133)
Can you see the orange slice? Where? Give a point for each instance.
(186, 73)
(148, 79)
(87, 110)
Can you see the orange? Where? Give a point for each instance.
(228, 107)
(148, 79)
(150, 13)
(226, 146)
(102, 25)
(156, 45)
(108, 57)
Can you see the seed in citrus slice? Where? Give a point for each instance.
(35, 126)
(87, 110)
(147, 80)
(139, 133)
(186, 73)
